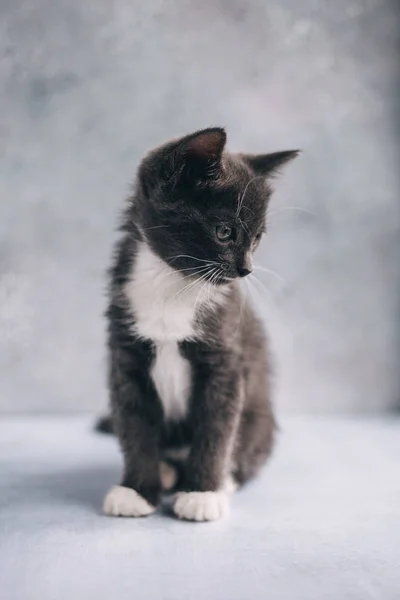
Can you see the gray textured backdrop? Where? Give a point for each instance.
(87, 87)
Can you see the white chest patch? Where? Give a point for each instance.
(172, 378)
(163, 309)
(164, 303)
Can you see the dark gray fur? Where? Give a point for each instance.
(183, 189)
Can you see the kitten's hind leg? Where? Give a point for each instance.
(255, 443)
(104, 424)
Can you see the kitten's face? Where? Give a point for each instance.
(203, 211)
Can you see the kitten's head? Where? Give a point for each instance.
(203, 210)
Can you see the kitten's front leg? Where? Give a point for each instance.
(217, 402)
(137, 419)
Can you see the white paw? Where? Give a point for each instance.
(168, 475)
(125, 502)
(201, 506)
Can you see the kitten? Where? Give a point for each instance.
(188, 360)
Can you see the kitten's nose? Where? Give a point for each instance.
(243, 271)
(246, 266)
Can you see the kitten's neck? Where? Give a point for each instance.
(167, 304)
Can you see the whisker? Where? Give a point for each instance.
(186, 287)
(244, 207)
(214, 278)
(193, 257)
(195, 270)
(242, 301)
(210, 281)
(271, 272)
(199, 295)
(209, 286)
(223, 276)
(249, 288)
(269, 309)
(208, 277)
(253, 280)
(262, 300)
(190, 285)
(202, 270)
(288, 208)
(268, 296)
(243, 224)
(217, 271)
(155, 227)
(177, 271)
(240, 200)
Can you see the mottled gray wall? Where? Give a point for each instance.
(87, 87)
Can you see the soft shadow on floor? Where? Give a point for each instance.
(81, 486)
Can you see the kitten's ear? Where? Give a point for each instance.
(270, 164)
(195, 156)
(198, 155)
(205, 146)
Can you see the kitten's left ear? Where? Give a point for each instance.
(270, 164)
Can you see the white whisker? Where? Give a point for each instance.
(268, 297)
(288, 208)
(242, 301)
(208, 289)
(214, 280)
(253, 280)
(243, 224)
(184, 291)
(193, 257)
(155, 227)
(196, 269)
(191, 275)
(263, 286)
(271, 272)
(241, 198)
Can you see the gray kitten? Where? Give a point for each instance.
(188, 359)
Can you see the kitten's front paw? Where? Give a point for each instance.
(125, 502)
(201, 506)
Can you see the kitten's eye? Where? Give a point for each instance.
(223, 233)
(258, 237)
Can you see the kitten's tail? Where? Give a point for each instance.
(104, 425)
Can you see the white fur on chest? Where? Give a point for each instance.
(163, 309)
(171, 375)
(164, 303)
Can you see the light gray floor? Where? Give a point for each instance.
(321, 523)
